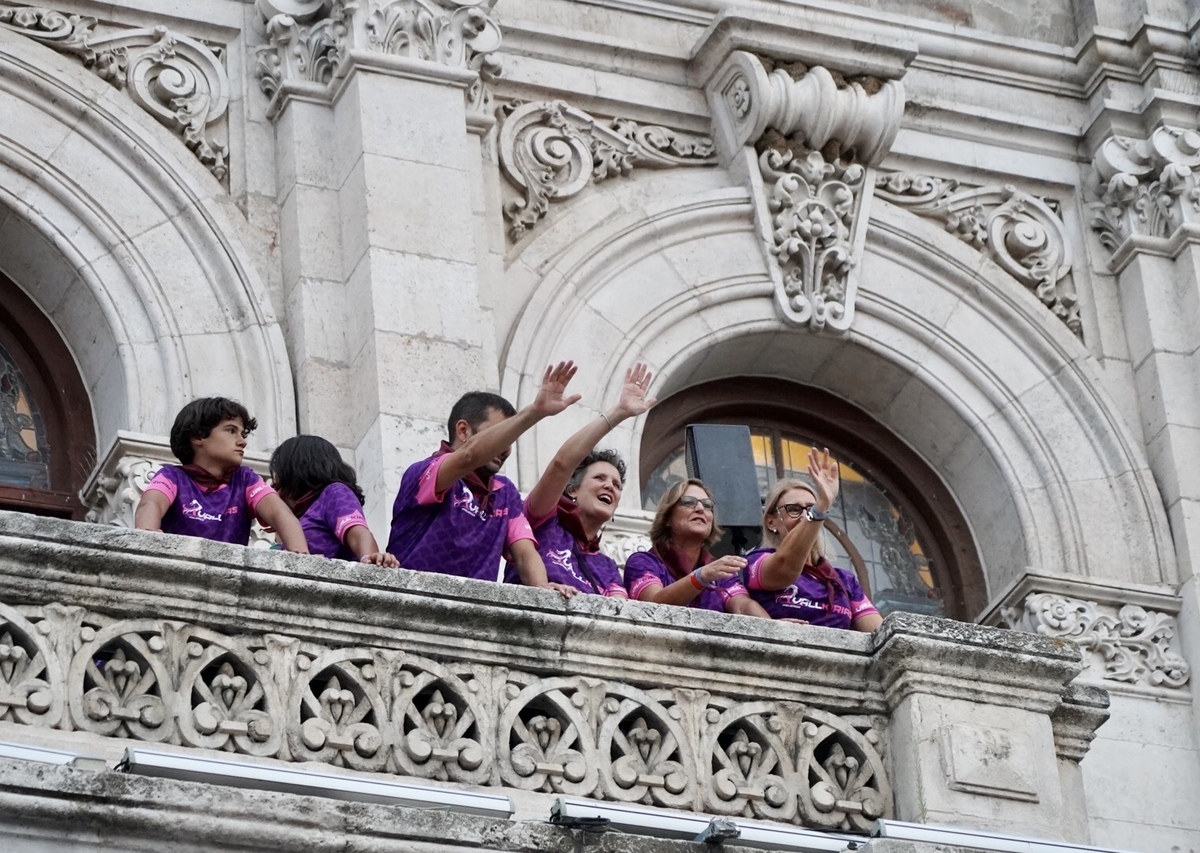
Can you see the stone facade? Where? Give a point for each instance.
(975, 225)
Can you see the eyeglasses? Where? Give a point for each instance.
(690, 501)
(793, 510)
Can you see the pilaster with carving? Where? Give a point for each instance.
(1021, 233)
(312, 43)
(179, 80)
(550, 150)
(816, 136)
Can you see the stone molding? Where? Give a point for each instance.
(626, 534)
(179, 80)
(311, 44)
(1128, 636)
(551, 150)
(1149, 193)
(115, 486)
(195, 644)
(816, 137)
(1020, 232)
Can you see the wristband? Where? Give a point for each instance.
(814, 514)
(698, 582)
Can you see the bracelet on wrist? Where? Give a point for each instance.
(814, 514)
(611, 425)
(699, 583)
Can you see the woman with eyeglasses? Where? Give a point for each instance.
(789, 576)
(679, 569)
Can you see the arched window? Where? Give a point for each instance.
(47, 440)
(894, 522)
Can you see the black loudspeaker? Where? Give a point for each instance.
(722, 457)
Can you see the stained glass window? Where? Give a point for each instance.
(24, 450)
(868, 529)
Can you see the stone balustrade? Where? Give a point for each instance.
(111, 633)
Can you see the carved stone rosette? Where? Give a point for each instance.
(1018, 231)
(310, 42)
(178, 80)
(399, 712)
(549, 150)
(1148, 187)
(1128, 644)
(817, 136)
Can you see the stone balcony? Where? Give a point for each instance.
(111, 637)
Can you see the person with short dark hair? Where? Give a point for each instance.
(322, 491)
(454, 513)
(577, 495)
(679, 568)
(212, 495)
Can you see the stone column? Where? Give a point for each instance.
(378, 112)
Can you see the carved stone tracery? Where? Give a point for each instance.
(1020, 232)
(385, 710)
(550, 150)
(179, 80)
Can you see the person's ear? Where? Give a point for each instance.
(462, 430)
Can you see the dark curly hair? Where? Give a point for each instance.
(609, 456)
(307, 463)
(197, 419)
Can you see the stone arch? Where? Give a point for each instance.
(129, 245)
(966, 367)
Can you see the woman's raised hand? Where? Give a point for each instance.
(823, 469)
(633, 400)
(723, 568)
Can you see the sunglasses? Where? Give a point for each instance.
(690, 501)
(793, 510)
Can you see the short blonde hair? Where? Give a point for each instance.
(770, 537)
(660, 529)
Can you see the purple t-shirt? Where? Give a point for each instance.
(454, 533)
(560, 552)
(223, 514)
(808, 597)
(644, 569)
(329, 518)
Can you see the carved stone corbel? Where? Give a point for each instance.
(816, 136)
(311, 43)
(550, 150)
(1148, 189)
(1018, 231)
(178, 80)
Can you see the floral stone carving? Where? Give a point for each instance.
(550, 150)
(1019, 232)
(388, 710)
(1131, 644)
(178, 80)
(310, 41)
(817, 135)
(1148, 187)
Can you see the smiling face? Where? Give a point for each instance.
(223, 447)
(690, 524)
(780, 519)
(598, 492)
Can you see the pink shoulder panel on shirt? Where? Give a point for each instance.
(163, 483)
(753, 571)
(732, 590)
(256, 490)
(862, 607)
(426, 487)
(642, 584)
(346, 522)
(518, 528)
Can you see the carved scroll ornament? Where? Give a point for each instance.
(817, 136)
(178, 80)
(309, 41)
(391, 711)
(1018, 231)
(1148, 187)
(1132, 644)
(550, 150)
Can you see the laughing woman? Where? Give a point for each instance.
(679, 569)
(790, 576)
(578, 494)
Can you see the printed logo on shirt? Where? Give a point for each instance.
(792, 596)
(196, 512)
(465, 501)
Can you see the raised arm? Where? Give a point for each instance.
(489, 443)
(632, 402)
(782, 568)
